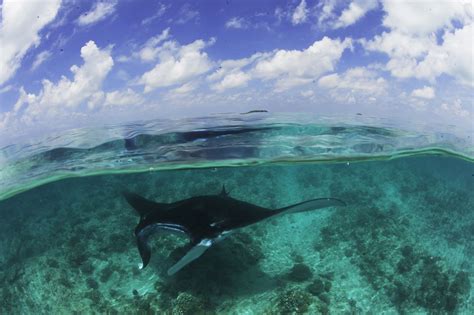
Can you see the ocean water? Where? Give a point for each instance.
(403, 244)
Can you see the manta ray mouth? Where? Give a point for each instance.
(144, 234)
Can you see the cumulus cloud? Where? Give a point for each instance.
(355, 83)
(232, 80)
(150, 50)
(98, 12)
(326, 13)
(412, 46)
(19, 31)
(40, 58)
(425, 92)
(237, 23)
(227, 67)
(356, 10)
(297, 67)
(355, 79)
(185, 88)
(336, 14)
(177, 64)
(287, 68)
(452, 57)
(234, 73)
(84, 88)
(123, 98)
(300, 15)
(422, 17)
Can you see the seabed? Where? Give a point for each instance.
(403, 245)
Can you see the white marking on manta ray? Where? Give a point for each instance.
(216, 223)
(166, 226)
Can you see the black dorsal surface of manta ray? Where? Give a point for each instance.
(204, 219)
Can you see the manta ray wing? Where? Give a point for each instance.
(142, 205)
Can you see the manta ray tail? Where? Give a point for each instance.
(144, 250)
(312, 204)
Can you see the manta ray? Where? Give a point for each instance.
(204, 219)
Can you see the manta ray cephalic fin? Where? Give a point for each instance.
(193, 254)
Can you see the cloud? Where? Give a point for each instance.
(68, 94)
(425, 92)
(356, 83)
(356, 10)
(123, 98)
(355, 79)
(177, 64)
(159, 13)
(455, 108)
(300, 15)
(288, 68)
(40, 58)
(231, 74)
(184, 89)
(186, 14)
(336, 14)
(19, 31)
(326, 13)
(280, 14)
(307, 93)
(6, 88)
(425, 17)
(237, 23)
(98, 12)
(227, 67)
(413, 47)
(150, 50)
(297, 67)
(452, 57)
(232, 80)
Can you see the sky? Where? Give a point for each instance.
(67, 63)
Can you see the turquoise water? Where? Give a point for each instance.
(404, 244)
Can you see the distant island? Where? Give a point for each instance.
(255, 111)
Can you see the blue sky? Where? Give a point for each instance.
(77, 62)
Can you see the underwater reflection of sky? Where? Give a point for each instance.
(69, 63)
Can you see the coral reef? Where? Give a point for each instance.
(187, 304)
(293, 301)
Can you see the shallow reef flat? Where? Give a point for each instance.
(404, 244)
